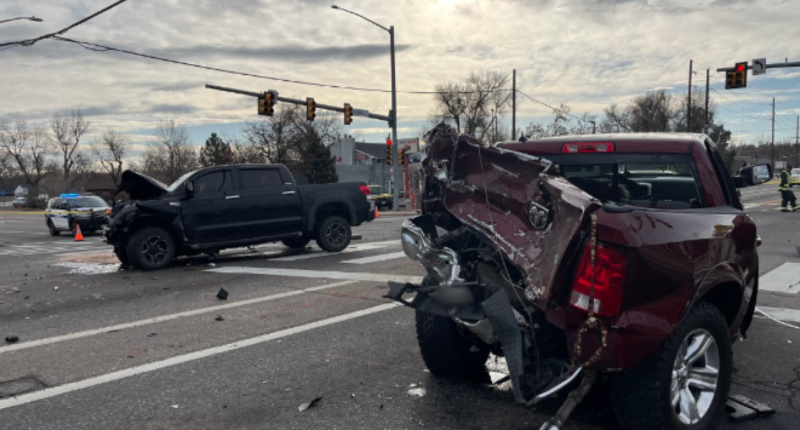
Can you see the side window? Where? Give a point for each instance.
(213, 183)
(725, 180)
(260, 178)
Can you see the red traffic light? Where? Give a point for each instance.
(740, 67)
(388, 142)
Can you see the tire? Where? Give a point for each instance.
(122, 255)
(333, 234)
(445, 350)
(151, 248)
(53, 231)
(643, 398)
(296, 242)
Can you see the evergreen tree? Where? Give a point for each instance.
(320, 166)
(214, 152)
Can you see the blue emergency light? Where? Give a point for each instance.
(70, 196)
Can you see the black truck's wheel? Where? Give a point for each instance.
(445, 350)
(296, 242)
(53, 231)
(333, 234)
(685, 384)
(151, 248)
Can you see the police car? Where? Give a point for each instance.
(67, 211)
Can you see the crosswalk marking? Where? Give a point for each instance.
(319, 274)
(320, 253)
(376, 258)
(784, 279)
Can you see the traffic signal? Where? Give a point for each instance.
(311, 107)
(348, 114)
(741, 75)
(270, 102)
(389, 152)
(262, 104)
(736, 78)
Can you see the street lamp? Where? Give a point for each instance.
(393, 114)
(29, 18)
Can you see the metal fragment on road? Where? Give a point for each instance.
(12, 339)
(310, 404)
(222, 294)
(219, 318)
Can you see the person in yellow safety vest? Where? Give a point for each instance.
(789, 203)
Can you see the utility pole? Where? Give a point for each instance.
(689, 101)
(772, 146)
(796, 139)
(707, 115)
(514, 104)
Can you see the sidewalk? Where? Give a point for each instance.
(407, 214)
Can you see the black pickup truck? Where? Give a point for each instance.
(230, 206)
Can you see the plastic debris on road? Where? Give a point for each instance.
(12, 339)
(219, 318)
(222, 294)
(310, 404)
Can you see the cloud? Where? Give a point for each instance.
(293, 53)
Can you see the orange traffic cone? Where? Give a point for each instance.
(377, 214)
(78, 234)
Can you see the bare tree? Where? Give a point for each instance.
(67, 130)
(469, 105)
(27, 149)
(563, 124)
(170, 155)
(653, 111)
(110, 151)
(272, 138)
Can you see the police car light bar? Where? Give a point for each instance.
(69, 196)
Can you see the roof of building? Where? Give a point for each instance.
(376, 150)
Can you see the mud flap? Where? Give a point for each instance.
(424, 303)
(506, 329)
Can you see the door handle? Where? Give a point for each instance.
(286, 193)
(231, 197)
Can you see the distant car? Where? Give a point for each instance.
(381, 198)
(796, 174)
(20, 202)
(67, 211)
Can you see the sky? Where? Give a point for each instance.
(583, 53)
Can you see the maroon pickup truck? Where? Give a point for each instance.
(627, 257)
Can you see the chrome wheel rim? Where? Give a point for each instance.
(695, 377)
(155, 249)
(335, 234)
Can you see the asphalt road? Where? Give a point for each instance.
(157, 350)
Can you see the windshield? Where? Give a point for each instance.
(179, 183)
(652, 180)
(88, 202)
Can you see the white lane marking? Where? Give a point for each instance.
(150, 367)
(784, 279)
(320, 253)
(376, 258)
(780, 315)
(750, 205)
(324, 274)
(87, 333)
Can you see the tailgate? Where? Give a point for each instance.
(519, 202)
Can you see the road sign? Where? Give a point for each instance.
(360, 112)
(759, 66)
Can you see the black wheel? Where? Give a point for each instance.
(445, 350)
(333, 234)
(72, 229)
(685, 384)
(296, 242)
(53, 231)
(122, 255)
(151, 248)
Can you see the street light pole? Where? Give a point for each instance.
(29, 18)
(396, 182)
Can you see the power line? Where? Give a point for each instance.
(549, 106)
(96, 47)
(30, 42)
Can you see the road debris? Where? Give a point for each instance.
(741, 408)
(222, 294)
(212, 265)
(12, 339)
(219, 318)
(55, 288)
(152, 334)
(310, 404)
(174, 406)
(12, 290)
(416, 392)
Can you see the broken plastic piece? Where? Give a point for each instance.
(151, 334)
(12, 339)
(741, 408)
(310, 404)
(219, 318)
(222, 294)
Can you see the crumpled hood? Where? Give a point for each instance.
(140, 186)
(519, 202)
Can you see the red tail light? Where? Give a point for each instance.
(581, 148)
(364, 189)
(609, 281)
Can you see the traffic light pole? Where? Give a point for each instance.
(395, 165)
(768, 66)
(386, 118)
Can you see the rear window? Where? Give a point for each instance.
(651, 180)
(260, 178)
